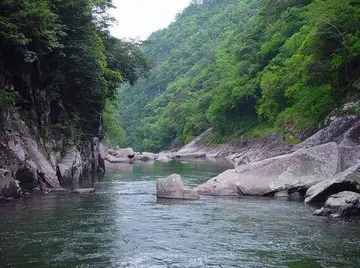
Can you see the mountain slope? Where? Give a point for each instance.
(244, 67)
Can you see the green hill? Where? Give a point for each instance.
(244, 67)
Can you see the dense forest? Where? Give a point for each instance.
(63, 49)
(244, 68)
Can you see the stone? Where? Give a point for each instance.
(37, 161)
(145, 157)
(163, 157)
(188, 155)
(15, 145)
(292, 172)
(334, 132)
(116, 160)
(118, 152)
(345, 131)
(224, 184)
(69, 169)
(344, 204)
(298, 170)
(9, 187)
(348, 180)
(84, 191)
(173, 187)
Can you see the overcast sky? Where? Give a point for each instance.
(139, 18)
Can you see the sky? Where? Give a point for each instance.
(137, 19)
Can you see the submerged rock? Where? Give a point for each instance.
(343, 204)
(173, 187)
(282, 194)
(348, 180)
(187, 155)
(84, 191)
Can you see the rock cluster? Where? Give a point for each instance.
(344, 204)
(323, 168)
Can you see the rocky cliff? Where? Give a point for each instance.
(38, 149)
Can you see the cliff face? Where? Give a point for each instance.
(36, 152)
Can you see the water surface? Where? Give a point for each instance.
(124, 225)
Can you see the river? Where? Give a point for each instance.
(124, 225)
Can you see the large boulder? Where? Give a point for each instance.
(345, 131)
(292, 172)
(343, 204)
(298, 170)
(37, 162)
(224, 184)
(333, 132)
(9, 187)
(145, 156)
(348, 180)
(117, 160)
(254, 150)
(173, 187)
(69, 169)
(118, 152)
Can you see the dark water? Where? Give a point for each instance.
(123, 225)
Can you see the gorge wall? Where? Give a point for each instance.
(35, 153)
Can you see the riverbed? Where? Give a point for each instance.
(124, 225)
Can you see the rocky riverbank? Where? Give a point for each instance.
(325, 164)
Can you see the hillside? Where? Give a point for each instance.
(244, 67)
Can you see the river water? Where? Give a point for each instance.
(124, 225)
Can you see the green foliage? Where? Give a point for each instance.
(261, 130)
(244, 67)
(114, 133)
(64, 47)
(7, 98)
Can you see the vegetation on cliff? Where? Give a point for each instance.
(64, 48)
(244, 67)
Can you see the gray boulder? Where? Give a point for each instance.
(333, 132)
(117, 160)
(37, 162)
(145, 157)
(298, 170)
(345, 131)
(292, 172)
(224, 184)
(348, 180)
(9, 187)
(121, 152)
(343, 204)
(69, 169)
(173, 187)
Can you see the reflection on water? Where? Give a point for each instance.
(124, 225)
